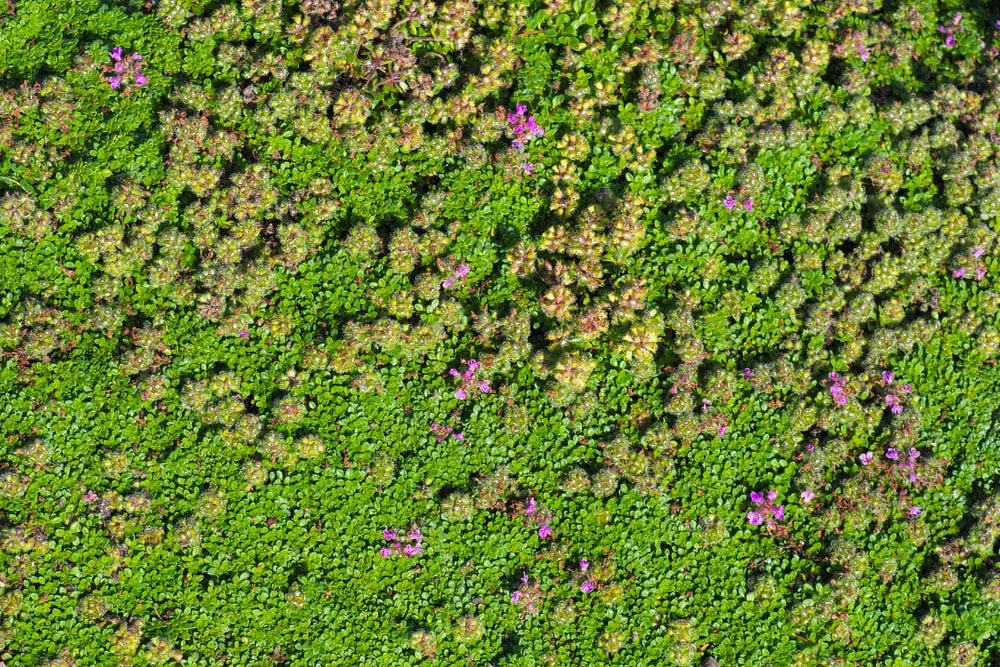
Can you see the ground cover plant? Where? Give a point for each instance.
(652, 332)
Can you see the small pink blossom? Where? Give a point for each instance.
(527, 167)
(584, 564)
(140, 79)
(389, 535)
(516, 596)
(460, 394)
(980, 273)
(722, 430)
(897, 409)
(747, 373)
(958, 273)
(729, 202)
(866, 458)
(484, 386)
(385, 552)
(807, 496)
(915, 512)
(448, 283)
(531, 507)
(587, 586)
(906, 388)
(545, 531)
(887, 377)
(89, 497)
(244, 333)
(748, 204)
(754, 518)
(978, 252)
(892, 453)
(115, 81)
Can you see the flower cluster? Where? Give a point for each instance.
(544, 530)
(133, 67)
(909, 462)
(765, 510)
(730, 203)
(588, 585)
(949, 31)
(837, 388)
(960, 273)
(468, 380)
(443, 432)
(528, 597)
(461, 271)
(523, 128)
(397, 547)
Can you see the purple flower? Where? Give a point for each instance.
(415, 535)
(807, 496)
(115, 81)
(116, 53)
(459, 436)
(978, 252)
(411, 550)
(460, 394)
(140, 79)
(864, 53)
(473, 365)
(244, 333)
(958, 273)
(892, 454)
(890, 400)
(772, 495)
(385, 552)
(584, 564)
(389, 535)
(587, 586)
(897, 409)
(866, 458)
(747, 373)
(454, 373)
(518, 128)
(887, 377)
(448, 283)
(914, 453)
(484, 386)
(520, 109)
(531, 507)
(516, 596)
(754, 518)
(756, 497)
(120, 67)
(528, 167)
(841, 400)
(915, 511)
(517, 144)
(722, 430)
(545, 532)
(460, 272)
(748, 204)
(906, 388)
(729, 202)
(949, 41)
(779, 512)
(136, 57)
(89, 497)
(980, 273)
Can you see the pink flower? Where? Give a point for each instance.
(385, 552)
(980, 273)
(484, 386)
(754, 518)
(473, 365)
(531, 507)
(722, 430)
(116, 53)
(528, 167)
(415, 534)
(389, 535)
(448, 283)
(906, 388)
(949, 41)
(89, 497)
(772, 495)
(890, 400)
(584, 564)
(914, 454)
(915, 512)
(545, 531)
(756, 497)
(747, 373)
(136, 57)
(748, 204)
(120, 67)
(866, 458)
(892, 453)
(520, 109)
(516, 596)
(779, 512)
(887, 377)
(517, 145)
(729, 202)
(841, 400)
(115, 81)
(411, 550)
(807, 496)
(244, 333)
(978, 252)
(864, 53)
(459, 436)
(460, 394)
(587, 586)
(897, 409)
(958, 273)
(140, 79)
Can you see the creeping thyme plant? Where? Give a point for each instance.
(529, 332)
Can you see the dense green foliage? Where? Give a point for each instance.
(443, 332)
